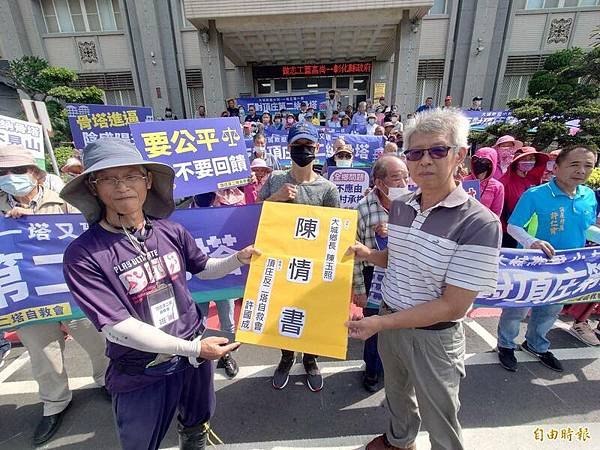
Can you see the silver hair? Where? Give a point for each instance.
(448, 122)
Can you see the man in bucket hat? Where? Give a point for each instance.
(127, 272)
(22, 193)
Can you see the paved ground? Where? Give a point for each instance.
(501, 410)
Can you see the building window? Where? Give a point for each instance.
(429, 81)
(281, 85)
(428, 87)
(551, 4)
(196, 98)
(311, 84)
(513, 86)
(439, 7)
(263, 86)
(124, 97)
(74, 16)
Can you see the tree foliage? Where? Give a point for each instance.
(567, 88)
(36, 78)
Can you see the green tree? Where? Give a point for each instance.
(567, 88)
(52, 85)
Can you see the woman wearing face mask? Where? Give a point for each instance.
(525, 171)
(371, 124)
(277, 122)
(343, 156)
(259, 150)
(330, 162)
(22, 193)
(260, 173)
(483, 166)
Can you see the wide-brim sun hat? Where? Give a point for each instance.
(506, 138)
(13, 155)
(108, 153)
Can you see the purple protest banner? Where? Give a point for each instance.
(32, 287)
(90, 122)
(206, 154)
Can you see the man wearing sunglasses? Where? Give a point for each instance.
(301, 185)
(443, 250)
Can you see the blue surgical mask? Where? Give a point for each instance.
(16, 185)
(343, 163)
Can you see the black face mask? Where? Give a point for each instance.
(302, 155)
(481, 166)
(332, 96)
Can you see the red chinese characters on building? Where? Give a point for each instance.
(326, 69)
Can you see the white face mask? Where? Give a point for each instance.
(395, 192)
(343, 163)
(259, 150)
(371, 121)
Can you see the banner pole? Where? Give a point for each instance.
(48, 145)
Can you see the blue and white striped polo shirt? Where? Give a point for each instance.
(455, 242)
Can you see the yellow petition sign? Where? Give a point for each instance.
(297, 295)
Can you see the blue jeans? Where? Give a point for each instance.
(373, 365)
(225, 310)
(540, 322)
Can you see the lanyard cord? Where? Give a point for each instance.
(141, 247)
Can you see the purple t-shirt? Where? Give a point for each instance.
(110, 282)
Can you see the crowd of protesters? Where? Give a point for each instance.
(426, 293)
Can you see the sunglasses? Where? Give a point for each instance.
(343, 155)
(14, 171)
(437, 152)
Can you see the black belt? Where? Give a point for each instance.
(436, 326)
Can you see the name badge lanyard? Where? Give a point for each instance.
(142, 249)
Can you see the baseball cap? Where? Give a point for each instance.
(303, 130)
(371, 115)
(477, 98)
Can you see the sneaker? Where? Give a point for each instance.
(314, 380)
(547, 359)
(370, 382)
(282, 373)
(507, 358)
(597, 330)
(229, 364)
(583, 332)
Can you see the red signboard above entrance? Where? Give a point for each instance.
(310, 70)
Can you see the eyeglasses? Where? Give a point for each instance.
(437, 152)
(129, 181)
(14, 171)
